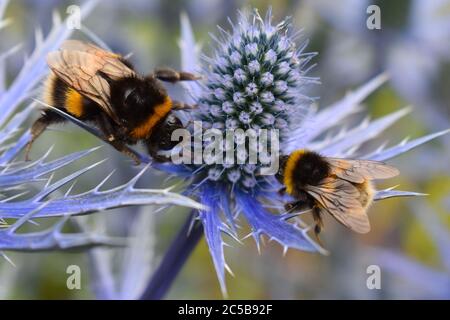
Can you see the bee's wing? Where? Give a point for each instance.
(80, 70)
(77, 45)
(114, 59)
(340, 199)
(357, 171)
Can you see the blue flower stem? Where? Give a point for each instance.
(174, 259)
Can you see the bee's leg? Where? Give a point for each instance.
(170, 75)
(39, 126)
(293, 206)
(153, 152)
(177, 105)
(300, 202)
(282, 191)
(122, 147)
(106, 127)
(319, 223)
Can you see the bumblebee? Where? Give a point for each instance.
(102, 87)
(339, 187)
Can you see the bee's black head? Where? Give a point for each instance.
(134, 99)
(163, 136)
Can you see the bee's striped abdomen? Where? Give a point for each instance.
(59, 95)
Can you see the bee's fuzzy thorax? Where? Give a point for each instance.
(303, 168)
(135, 99)
(159, 112)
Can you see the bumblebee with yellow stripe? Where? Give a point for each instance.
(102, 87)
(341, 187)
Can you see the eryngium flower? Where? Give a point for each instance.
(255, 81)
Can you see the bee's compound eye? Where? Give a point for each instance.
(127, 93)
(129, 97)
(172, 120)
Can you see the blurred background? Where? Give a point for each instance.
(410, 238)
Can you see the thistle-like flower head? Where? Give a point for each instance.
(254, 81)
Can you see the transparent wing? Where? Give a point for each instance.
(114, 65)
(358, 171)
(76, 45)
(341, 199)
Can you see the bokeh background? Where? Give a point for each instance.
(410, 239)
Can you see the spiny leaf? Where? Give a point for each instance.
(212, 225)
(361, 134)
(51, 239)
(404, 147)
(30, 172)
(330, 116)
(275, 227)
(389, 193)
(94, 200)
